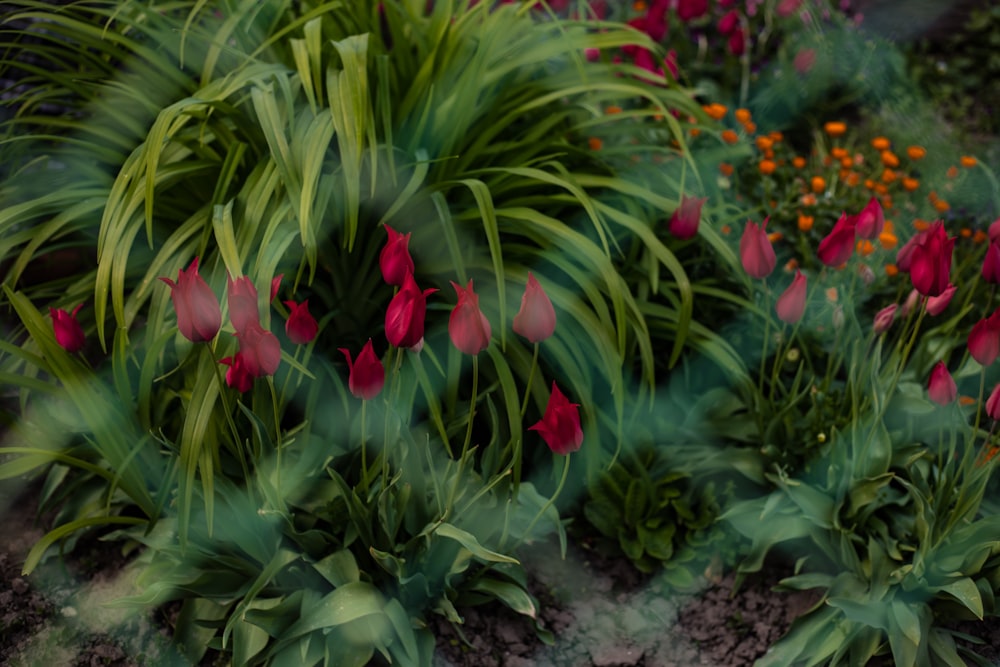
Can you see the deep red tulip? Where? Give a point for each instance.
(941, 388)
(259, 350)
(993, 403)
(905, 254)
(930, 264)
(883, 319)
(792, 303)
(729, 22)
(756, 251)
(684, 221)
(984, 340)
(395, 260)
(237, 375)
(198, 314)
(468, 327)
(69, 333)
(993, 231)
(366, 375)
(404, 318)
(275, 284)
(301, 326)
(560, 425)
(991, 264)
(536, 320)
(688, 10)
(737, 42)
(869, 223)
(937, 304)
(242, 299)
(838, 245)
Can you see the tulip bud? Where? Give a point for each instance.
(991, 264)
(404, 318)
(242, 299)
(69, 334)
(867, 275)
(237, 375)
(756, 251)
(993, 403)
(941, 388)
(198, 314)
(560, 425)
(688, 10)
(301, 326)
(911, 302)
(883, 319)
(684, 221)
(275, 284)
(870, 222)
(367, 375)
(536, 320)
(468, 327)
(930, 263)
(259, 349)
(984, 340)
(993, 232)
(937, 304)
(394, 260)
(838, 245)
(792, 303)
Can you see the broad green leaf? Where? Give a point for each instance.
(469, 541)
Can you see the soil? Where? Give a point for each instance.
(602, 612)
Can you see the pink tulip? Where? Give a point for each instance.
(792, 303)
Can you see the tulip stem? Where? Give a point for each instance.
(364, 434)
(277, 440)
(237, 449)
(531, 377)
(549, 503)
(472, 407)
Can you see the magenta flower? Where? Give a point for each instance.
(69, 334)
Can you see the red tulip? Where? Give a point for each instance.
(756, 251)
(941, 388)
(993, 231)
(984, 340)
(737, 42)
(870, 222)
(684, 221)
(395, 260)
(729, 22)
(792, 303)
(367, 375)
(242, 298)
(237, 375)
(536, 320)
(275, 284)
(930, 264)
(404, 318)
(788, 7)
(991, 264)
(260, 350)
(883, 319)
(838, 245)
(198, 314)
(905, 254)
(688, 10)
(937, 304)
(468, 327)
(69, 333)
(993, 403)
(560, 425)
(301, 327)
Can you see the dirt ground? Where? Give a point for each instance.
(602, 612)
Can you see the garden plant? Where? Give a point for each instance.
(329, 313)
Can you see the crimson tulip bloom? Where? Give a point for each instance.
(237, 375)
(301, 326)
(883, 319)
(930, 263)
(838, 245)
(905, 254)
(404, 318)
(993, 403)
(394, 260)
(242, 298)
(984, 340)
(941, 388)
(993, 231)
(536, 320)
(991, 264)
(69, 334)
(688, 10)
(366, 375)
(560, 425)
(729, 22)
(468, 327)
(791, 304)
(869, 223)
(198, 314)
(756, 251)
(260, 350)
(684, 221)
(936, 304)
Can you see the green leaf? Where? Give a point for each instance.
(38, 550)
(348, 603)
(965, 591)
(469, 541)
(509, 593)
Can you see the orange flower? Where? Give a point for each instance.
(808, 199)
(966, 233)
(865, 247)
(888, 175)
(750, 127)
(888, 240)
(613, 109)
(967, 161)
(774, 237)
(870, 184)
(805, 222)
(941, 206)
(889, 159)
(769, 154)
(730, 137)
(880, 188)
(714, 111)
(880, 144)
(817, 184)
(891, 270)
(595, 143)
(932, 196)
(764, 143)
(921, 225)
(726, 169)
(980, 236)
(889, 226)
(742, 115)
(846, 162)
(835, 128)
(725, 229)
(831, 294)
(916, 152)
(952, 171)
(776, 136)
(791, 265)
(853, 179)
(838, 152)
(639, 6)
(910, 184)
(766, 166)
(798, 162)
(695, 131)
